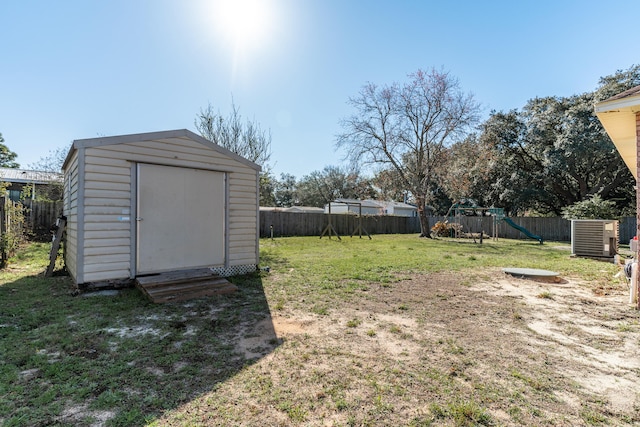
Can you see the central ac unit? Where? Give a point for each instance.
(594, 238)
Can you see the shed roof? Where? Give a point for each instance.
(363, 203)
(157, 136)
(618, 116)
(401, 205)
(305, 209)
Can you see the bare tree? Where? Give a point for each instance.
(52, 161)
(407, 128)
(246, 139)
(48, 165)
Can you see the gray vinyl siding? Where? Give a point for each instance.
(107, 205)
(109, 201)
(70, 210)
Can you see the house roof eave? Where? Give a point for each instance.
(618, 117)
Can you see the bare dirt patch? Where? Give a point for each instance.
(524, 352)
(596, 337)
(442, 349)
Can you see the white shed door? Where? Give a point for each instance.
(180, 219)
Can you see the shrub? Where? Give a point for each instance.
(445, 229)
(593, 208)
(13, 233)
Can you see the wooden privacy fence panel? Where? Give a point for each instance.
(558, 229)
(41, 216)
(312, 224)
(627, 229)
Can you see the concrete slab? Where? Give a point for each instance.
(104, 293)
(529, 272)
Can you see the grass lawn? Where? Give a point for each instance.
(396, 330)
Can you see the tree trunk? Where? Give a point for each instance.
(425, 229)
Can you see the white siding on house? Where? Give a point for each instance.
(371, 207)
(108, 246)
(339, 208)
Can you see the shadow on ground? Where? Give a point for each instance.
(116, 358)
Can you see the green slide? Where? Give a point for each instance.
(522, 229)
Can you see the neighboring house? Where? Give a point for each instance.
(23, 181)
(351, 206)
(400, 209)
(372, 207)
(304, 209)
(270, 209)
(299, 209)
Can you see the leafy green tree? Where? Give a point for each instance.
(407, 128)
(267, 187)
(321, 187)
(507, 169)
(285, 191)
(7, 157)
(464, 168)
(617, 83)
(389, 185)
(578, 157)
(552, 154)
(593, 208)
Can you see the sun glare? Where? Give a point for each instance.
(245, 23)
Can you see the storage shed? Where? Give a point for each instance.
(158, 202)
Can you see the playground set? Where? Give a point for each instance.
(460, 210)
(456, 212)
(331, 231)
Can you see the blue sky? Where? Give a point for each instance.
(81, 69)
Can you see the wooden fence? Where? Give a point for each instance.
(11, 228)
(40, 217)
(313, 224)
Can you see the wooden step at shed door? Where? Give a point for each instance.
(183, 285)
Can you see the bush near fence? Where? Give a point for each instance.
(30, 219)
(313, 224)
(11, 228)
